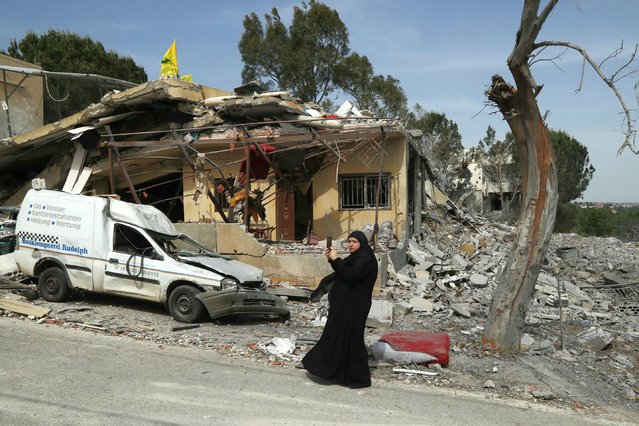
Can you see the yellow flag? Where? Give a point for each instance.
(169, 66)
(187, 77)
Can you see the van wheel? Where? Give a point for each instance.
(53, 285)
(183, 305)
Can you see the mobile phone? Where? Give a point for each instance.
(329, 241)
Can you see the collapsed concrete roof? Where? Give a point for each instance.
(162, 118)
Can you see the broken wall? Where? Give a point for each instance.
(229, 166)
(25, 105)
(298, 270)
(328, 219)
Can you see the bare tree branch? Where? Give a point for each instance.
(631, 59)
(630, 132)
(613, 54)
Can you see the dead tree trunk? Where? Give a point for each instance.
(539, 202)
(539, 184)
(518, 105)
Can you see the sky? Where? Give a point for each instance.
(442, 52)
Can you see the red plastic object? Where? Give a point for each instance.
(259, 166)
(435, 344)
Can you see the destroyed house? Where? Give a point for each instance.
(199, 153)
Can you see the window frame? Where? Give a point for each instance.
(366, 179)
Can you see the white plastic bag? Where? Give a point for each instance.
(382, 351)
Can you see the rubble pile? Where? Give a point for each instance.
(584, 313)
(579, 345)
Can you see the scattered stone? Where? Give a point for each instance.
(429, 290)
(526, 341)
(432, 249)
(419, 304)
(630, 394)
(460, 309)
(539, 394)
(612, 278)
(184, 327)
(564, 356)
(624, 360)
(489, 384)
(460, 261)
(478, 280)
(568, 253)
(402, 308)
(543, 347)
(380, 315)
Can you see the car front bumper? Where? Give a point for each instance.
(242, 301)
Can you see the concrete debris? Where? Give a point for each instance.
(526, 341)
(541, 394)
(564, 356)
(595, 337)
(630, 394)
(380, 315)
(478, 280)
(460, 309)
(489, 384)
(625, 360)
(419, 304)
(543, 347)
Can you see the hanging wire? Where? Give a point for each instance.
(46, 83)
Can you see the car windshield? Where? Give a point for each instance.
(184, 246)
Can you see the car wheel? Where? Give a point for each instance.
(53, 285)
(184, 306)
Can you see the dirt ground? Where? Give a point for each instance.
(592, 383)
(555, 367)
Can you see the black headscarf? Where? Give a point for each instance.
(364, 248)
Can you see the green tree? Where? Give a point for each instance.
(62, 51)
(312, 58)
(626, 224)
(597, 222)
(568, 218)
(445, 148)
(383, 96)
(574, 173)
(301, 58)
(574, 170)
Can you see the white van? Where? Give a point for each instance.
(104, 245)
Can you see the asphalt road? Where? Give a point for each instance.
(55, 376)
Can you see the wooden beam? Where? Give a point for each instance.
(23, 308)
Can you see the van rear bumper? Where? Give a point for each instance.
(242, 301)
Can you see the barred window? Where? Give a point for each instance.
(358, 192)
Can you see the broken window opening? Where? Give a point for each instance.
(130, 241)
(359, 192)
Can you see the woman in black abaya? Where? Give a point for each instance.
(340, 355)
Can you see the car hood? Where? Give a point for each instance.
(241, 271)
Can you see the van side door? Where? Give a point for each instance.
(133, 264)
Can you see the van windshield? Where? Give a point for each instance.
(184, 246)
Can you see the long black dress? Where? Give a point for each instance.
(340, 355)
